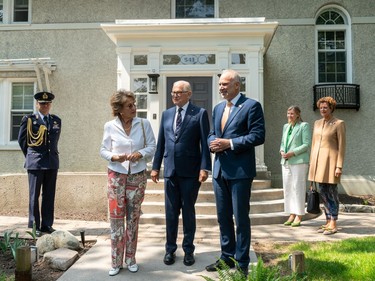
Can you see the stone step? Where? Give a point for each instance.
(266, 205)
(209, 208)
(275, 218)
(156, 195)
(267, 194)
(207, 185)
(211, 220)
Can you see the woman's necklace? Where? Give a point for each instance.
(124, 125)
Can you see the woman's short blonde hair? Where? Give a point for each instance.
(328, 100)
(118, 99)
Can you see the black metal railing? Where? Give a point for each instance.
(346, 95)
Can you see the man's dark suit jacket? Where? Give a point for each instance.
(188, 153)
(245, 126)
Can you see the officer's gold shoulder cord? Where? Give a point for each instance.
(35, 139)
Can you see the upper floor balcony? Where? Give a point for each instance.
(346, 95)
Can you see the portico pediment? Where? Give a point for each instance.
(155, 30)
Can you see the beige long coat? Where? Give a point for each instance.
(327, 150)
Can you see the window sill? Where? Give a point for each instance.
(9, 147)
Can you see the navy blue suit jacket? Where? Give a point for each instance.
(44, 156)
(245, 126)
(188, 153)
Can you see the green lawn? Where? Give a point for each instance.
(346, 260)
(351, 259)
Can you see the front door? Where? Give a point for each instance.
(202, 92)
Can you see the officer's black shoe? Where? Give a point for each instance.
(47, 229)
(38, 233)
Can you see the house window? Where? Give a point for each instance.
(238, 59)
(333, 47)
(21, 11)
(22, 104)
(140, 59)
(16, 101)
(189, 59)
(195, 9)
(140, 92)
(1, 11)
(14, 11)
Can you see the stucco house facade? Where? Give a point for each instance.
(286, 51)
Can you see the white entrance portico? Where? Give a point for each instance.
(192, 48)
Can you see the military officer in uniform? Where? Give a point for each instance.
(38, 138)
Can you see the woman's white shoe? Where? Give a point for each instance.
(114, 271)
(133, 268)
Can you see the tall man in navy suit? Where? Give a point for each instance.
(182, 143)
(238, 126)
(38, 138)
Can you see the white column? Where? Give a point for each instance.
(256, 91)
(123, 67)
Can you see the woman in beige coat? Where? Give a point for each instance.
(327, 159)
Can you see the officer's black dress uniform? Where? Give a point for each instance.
(38, 140)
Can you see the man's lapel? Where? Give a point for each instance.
(234, 111)
(186, 120)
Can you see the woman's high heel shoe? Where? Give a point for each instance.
(295, 224)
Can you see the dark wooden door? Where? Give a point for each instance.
(202, 92)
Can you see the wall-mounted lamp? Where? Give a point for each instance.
(153, 83)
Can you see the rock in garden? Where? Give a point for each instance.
(64, 239)
(61, 258)
(46, 243)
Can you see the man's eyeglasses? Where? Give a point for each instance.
(178, 93)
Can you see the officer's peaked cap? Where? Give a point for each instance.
(44, 97)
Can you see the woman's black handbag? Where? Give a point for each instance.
(313, 202)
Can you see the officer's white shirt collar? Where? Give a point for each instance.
(41, 115)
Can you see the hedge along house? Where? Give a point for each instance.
(288, 52)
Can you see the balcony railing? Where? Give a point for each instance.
(346, 95)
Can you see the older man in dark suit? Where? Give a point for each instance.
(182, 143)
(238, 126)
(38, 138)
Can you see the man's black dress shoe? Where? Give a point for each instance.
(189, 259)
(169, 258)
(47, 229)
(217, 265)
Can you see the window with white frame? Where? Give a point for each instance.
(14, 11)
(333, 46)
(1, 11)
(140, 92)
(17, 100)
(183, 9)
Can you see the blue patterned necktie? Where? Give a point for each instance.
(178, 121)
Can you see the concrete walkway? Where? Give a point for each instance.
(94, 265)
